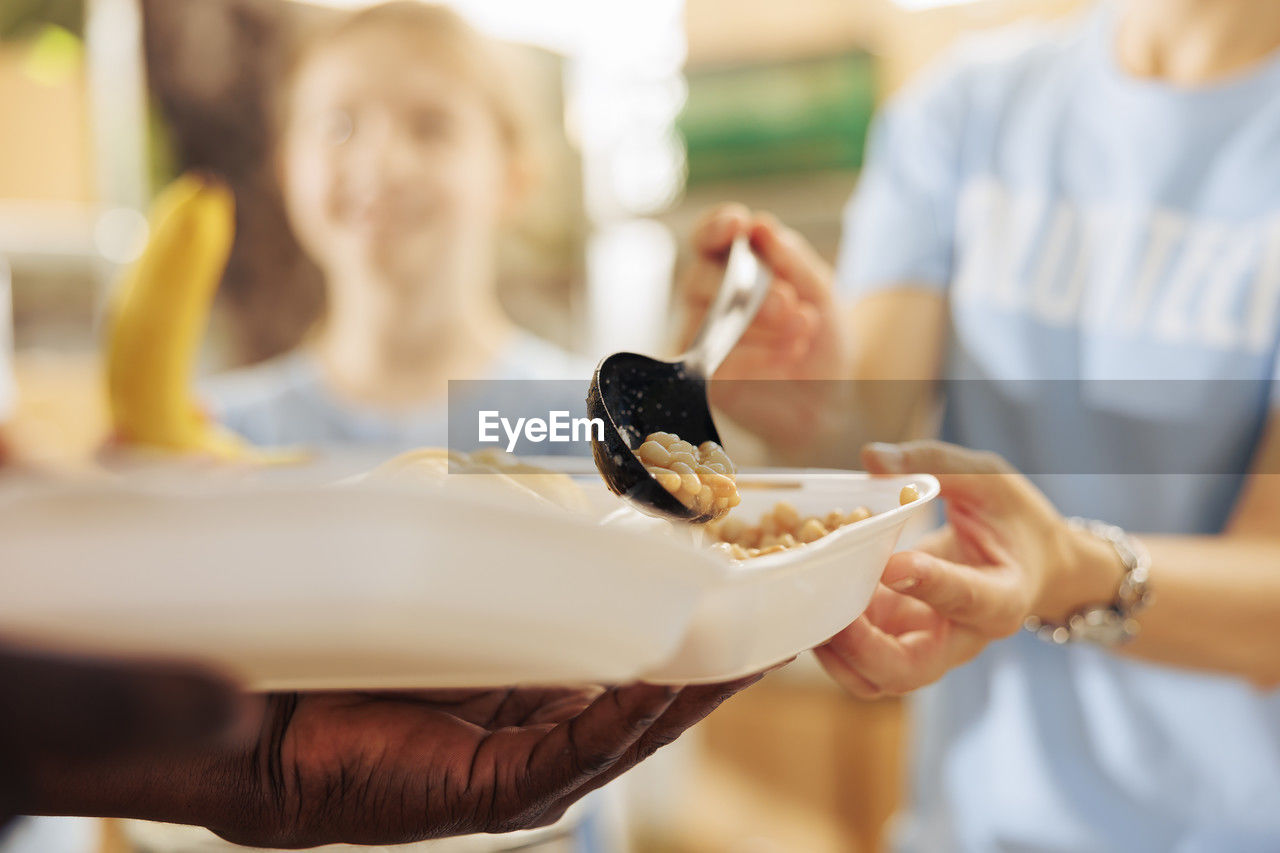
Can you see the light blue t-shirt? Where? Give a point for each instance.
(286, 401)
(1091, 227)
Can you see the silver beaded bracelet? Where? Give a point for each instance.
(1105, 624)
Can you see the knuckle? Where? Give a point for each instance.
(709, 215)
(928, 455)
(594, 762)
(894, 684)
(714, 216)
(768, 219)
(962, 598)
(655, 742)
(869, 690)
(988, 462)
(856, 684)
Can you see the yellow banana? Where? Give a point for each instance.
(157, 320)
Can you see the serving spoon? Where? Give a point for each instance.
(635, 395)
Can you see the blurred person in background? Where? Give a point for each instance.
(402, 153)
(1101, 203)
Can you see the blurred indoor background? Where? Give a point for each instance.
(647, 113)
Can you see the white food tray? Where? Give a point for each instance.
(291, 582)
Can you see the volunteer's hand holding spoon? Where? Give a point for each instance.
(795, 336)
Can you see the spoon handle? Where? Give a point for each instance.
(746, 283)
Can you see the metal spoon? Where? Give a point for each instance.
(635, 395)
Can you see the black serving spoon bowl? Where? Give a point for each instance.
(635, 395)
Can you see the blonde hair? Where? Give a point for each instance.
(449, 41)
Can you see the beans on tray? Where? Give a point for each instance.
(783, 527)
(701, 478)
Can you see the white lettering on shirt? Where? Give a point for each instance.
(1156, 274)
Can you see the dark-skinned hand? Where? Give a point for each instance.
(303, 769)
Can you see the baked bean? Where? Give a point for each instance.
(784, 527)
(859, 514)
(701, 478)
(732, 530)
(811, 530)
(786, 516)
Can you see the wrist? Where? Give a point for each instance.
(1086, 571)
(213, 787)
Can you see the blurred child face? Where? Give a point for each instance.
(394, 167)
